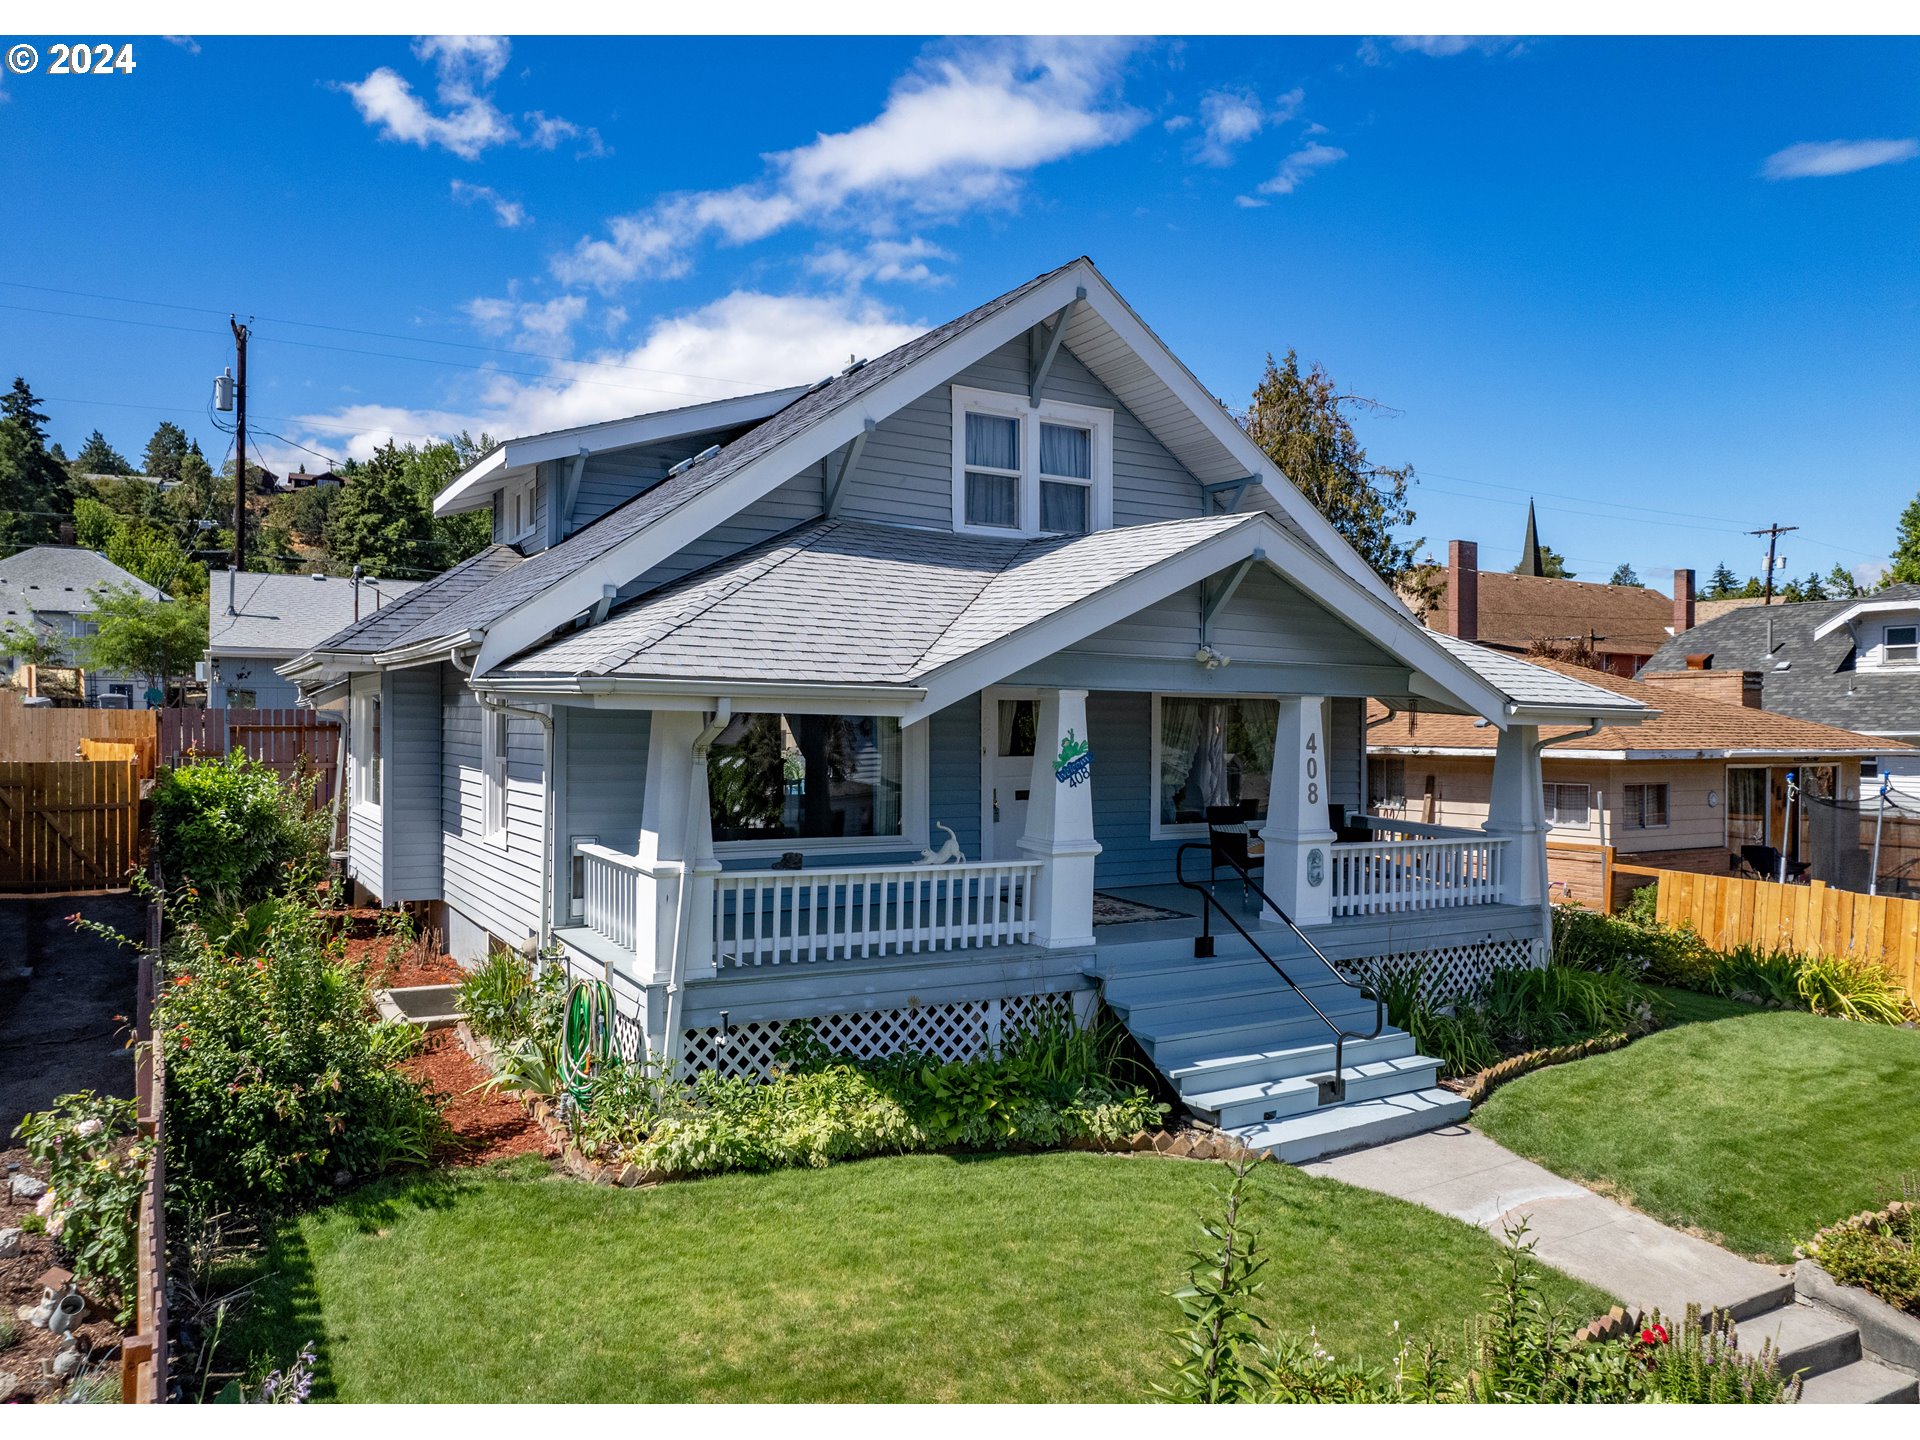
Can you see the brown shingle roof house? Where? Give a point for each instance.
(1684, 790)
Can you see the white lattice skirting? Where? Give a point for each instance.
(1453, 972)
(952, 1032)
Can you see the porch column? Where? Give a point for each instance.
(1299, 843)
(1060, 821)
(675, 827)
(1517, 808)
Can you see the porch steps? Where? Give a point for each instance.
(1824, 1348)
(1245, 1052)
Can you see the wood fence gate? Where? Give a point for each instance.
(291, 741)
(68, 825)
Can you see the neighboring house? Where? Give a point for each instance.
(256, 622)
(1620, 625)
(1683, 790)
(52, 586)
(728, 670)
(1852, 663)
(302, 479)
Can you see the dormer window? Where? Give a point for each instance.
(1027, 470)
(515, 512)
(1903, 644)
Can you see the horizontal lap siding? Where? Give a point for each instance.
(954, 773)
(366, 848)
(793, 503)
(1345, 738)
(1120, 727)
(610, 480)
(413, 779)
(905, 475)
(605, 775)
(496, 888)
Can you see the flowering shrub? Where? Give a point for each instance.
(94, 1184)
(1876, 1253)
(276, 1079)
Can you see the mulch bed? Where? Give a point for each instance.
(19, 1285)
(388, 964)
(486, 1124)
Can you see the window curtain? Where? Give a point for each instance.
(1179, 742)
(993, 500)
(1065, 450)
(1063, 508)
(1214, 752)
(993, 441)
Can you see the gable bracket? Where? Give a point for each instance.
(1213, 601)
(1042, 352)
(1226, 494)
(570, 492)
(850, 457)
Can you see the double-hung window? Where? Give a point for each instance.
(1903, 644)
(1643, 807)
(493, 775)
(1020, 469)
(1568, 806)
(366, 748)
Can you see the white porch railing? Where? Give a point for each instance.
(783, 917)
(610, 892)
(1433, 871)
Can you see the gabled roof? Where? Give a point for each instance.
(286, 614)
(57, 578)
(1859, 609)
(1685, 726)
(1804, 674)
(936, 615)
(426, 612)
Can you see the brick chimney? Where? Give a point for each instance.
(1728, 687)
(1463, 589)
(1682, 601)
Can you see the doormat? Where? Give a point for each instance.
(1112, 910)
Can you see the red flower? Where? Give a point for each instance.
(1654, 1335)
(184, 980)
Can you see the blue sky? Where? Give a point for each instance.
(1667, 287)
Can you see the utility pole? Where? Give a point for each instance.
(240, 333)
(1772, 532)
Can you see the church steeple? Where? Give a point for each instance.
(1530, 555)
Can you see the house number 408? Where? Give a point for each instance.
(1313, 770)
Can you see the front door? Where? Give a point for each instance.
(1007, 729)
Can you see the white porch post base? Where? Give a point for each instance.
(1060, 822)
(1299, 843)
(1517, 808)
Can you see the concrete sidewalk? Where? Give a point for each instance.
(1460, 1172)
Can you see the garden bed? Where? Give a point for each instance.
(30, 1347)
(486, 1125)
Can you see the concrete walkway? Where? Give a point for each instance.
(1460, 1172)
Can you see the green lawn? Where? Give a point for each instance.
(1040, 1277)
(1756, 1129)
(1687, 1007)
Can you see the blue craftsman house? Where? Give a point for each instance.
(890, 702)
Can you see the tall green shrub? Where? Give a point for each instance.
(231, 830)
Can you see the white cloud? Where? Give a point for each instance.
(957, 133)
(1230, 118)
(888, 261)
(510, 213)
(538, 325)
(468, 122)
(1174, 124)
(1442, 47)
(745, 341)
(1817, 158)
(185, 42)
(1298, 166)
(1250, 202)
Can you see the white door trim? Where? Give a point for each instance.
(990, 699)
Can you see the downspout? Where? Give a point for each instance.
(677, 965)
(551, 876)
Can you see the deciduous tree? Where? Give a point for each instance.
(156, 639)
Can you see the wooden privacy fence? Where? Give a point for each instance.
(34, 733)
(72, 825)
(143, 1354)
(1815, 919)
(288, 740)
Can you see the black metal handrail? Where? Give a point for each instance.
(1333, 1088)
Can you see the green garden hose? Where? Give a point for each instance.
(586, 1039)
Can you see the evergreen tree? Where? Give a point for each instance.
(1905, 569)
(34, 493)
(1841, 585)
(1752, 590)
(1623, 575)
(1723, 584)
(381, 520)
(97, 457)
(198, 495)
(1300, 420)
(166, 451)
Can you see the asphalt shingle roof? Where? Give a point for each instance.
(1517, 610)
(291, 613)
(56, 578)
(1685, 722)
(429, 610)
(1819, 682)
(1526, 683)
(853, 602)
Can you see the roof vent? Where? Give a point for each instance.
(706, 454)
(686, 464)
(856, 365)
(820, 384)
(318, 576)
